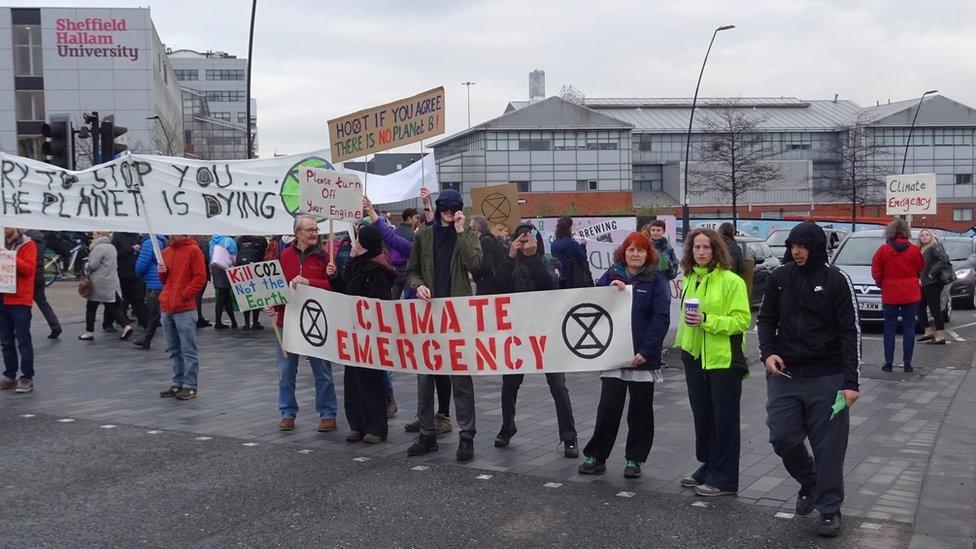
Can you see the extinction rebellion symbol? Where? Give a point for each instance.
(314, 326)
(587, 330)
(496, 207)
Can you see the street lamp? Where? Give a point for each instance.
(169, 144)
(685, 213)
(911, 129)
(249, 137)
(468, 85)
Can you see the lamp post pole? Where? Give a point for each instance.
(247, 108)
(911, 128)
(468, 85)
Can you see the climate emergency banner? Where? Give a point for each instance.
(586, 329)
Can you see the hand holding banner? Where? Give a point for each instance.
(330, 194)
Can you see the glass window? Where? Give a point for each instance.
(225, 116)
(964, 179)
(523, 186)
(28, 54)
(29, 146)
(187, 74)
(962, 214)
(30, 105)
(225, 74)
(224, 96)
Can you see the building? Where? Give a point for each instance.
(611, 156)
(221, 80)
(79, 60)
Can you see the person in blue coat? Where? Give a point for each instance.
(146, 270)
(575, 272)
(634, 266)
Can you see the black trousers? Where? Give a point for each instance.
(365, 400)
(251, 317)
(640, 419)
(200, 304)
(443, 386)
(40, 298)
(152, 315)
(110, 317)
(714, 396)
(560, 395)
(222, 304)
(133, 295)
(932, 303)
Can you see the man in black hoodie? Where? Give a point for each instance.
(810, 343)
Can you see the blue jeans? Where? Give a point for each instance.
(908, 314)
(15, 336)
(181, 344)
(388, 384)
(326, 403)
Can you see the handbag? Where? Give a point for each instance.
(222, 258)
(85, 287)
(948, 275)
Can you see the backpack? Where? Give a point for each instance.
(522, 278)
(579, 275)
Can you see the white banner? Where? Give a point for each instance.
(586, 329)
(8, 271)
(911, 194)
(600, 256)
(401, 185)
(328, 194)
(174, 195)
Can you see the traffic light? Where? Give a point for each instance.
(108, 133)
(57, 147)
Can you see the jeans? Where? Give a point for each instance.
(640, 419)
(326, 403)
(40, 298)
(797, 409)
(560, 395)
(181, 344)
(365, 400)
(714, 396)
(15, 337)
(463, 389)
(908, 314)
(931, 303)
(388, 384)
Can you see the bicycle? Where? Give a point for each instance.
(53, 268)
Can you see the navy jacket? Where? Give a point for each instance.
(650, 315)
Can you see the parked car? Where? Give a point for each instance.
(757, 250)
(777, 240)
(962, 253)
(854, 258)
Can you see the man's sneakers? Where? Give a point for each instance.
(186, 393)
(465, 451)
(592, 466)
(55, 333)
(830, 526)
(327, 425)
(804, 502)
(171, 392)
(504, 437)
(571, 448)
(707, 491)
(7, 383)
(423, 445)
(633, 469)
(24, 385)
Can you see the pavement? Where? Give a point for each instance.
(910, 467)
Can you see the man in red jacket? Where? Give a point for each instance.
(15, 317)
(183, 273)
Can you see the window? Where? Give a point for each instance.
(962, 214)
(225, 74)
(523, 186)
(242, 116)
(455, 185)
(225, 116)
(30, 106)
(964, 179)
(587, 185)
(224, 96)
(535, 145)
(28, 55)
(642, 142)
(29, 146)
(187, 74)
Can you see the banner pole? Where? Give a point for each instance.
(152, 234)
(277, 332)
(331, 243)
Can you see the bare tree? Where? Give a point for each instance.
(859, 173)
(734, 157)
(571, 94)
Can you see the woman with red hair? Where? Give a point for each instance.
(634, 263)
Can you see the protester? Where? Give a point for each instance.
(40, 297)
(304, 261)
(500, 230)
(634, 265)
(727, 232)
(809, 341)
(571, 254)
(182, 273)
(369, 274)
(204, 244)
(443, 254)
(411, 222)
(935, 275)
(667, 263)
(522, 270)
(251, 249)
(147, 269)
(102, 270)
(896, 268)
(492, 253)
(712, 342)
(223, 254)
(15, 317)
(131, 287)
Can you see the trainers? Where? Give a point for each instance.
(24, 386)
(55, 332)
(503, 438)
(829, 525)
(186, 393)
(804, 502)
(689, 482)
(144, 345)
(571, 448)
(126, 333)
(443, 424)
(354, 436)
(592, 466)
(7, 383)
(707, 491)
(373, 439)
(886, 368)
(327, 424)
(423, 445)
(465, 451)
(413, 426)
(171, 392)
(257, 326)
(287, 424)
(632, 470)
(391, 407)
(203, 323)
(908, 368)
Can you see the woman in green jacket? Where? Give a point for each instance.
(712, 340)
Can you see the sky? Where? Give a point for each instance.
(315, 60)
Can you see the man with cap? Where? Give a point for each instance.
(443, 254)
(810, 343)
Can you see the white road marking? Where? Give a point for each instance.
(27, 415)
(65, 420)
(485, 477)
(419, 468)
(783, 515)
(203, 438)
(552, 484)
(250, 444)
(955, 335)
(361, 459)
(154, 432)
(625, 494)
(965, 325)
(870, 526)
(108, 426)
(305, 451)
(699, 504)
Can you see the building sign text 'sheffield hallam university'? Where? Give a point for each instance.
(93, 37)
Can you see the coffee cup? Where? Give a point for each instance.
(691, 305)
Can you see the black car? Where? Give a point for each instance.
(962, 253)
(757, 250)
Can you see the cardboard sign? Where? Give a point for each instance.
(499, 203)
(329, 194)
(582, 330)
(258, 285)
(387, 126)
(911, 194)
(8, 272)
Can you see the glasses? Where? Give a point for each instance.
(450, 209)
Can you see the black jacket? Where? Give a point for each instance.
(809, 314)
(735, 252)
(367, 277)
(484, 275)
(128, 255)
(40, 242)
(250, 249)
(523, 274)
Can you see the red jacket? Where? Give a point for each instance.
(311, 265)
(895, 268)
(26, 262)
(185, 276)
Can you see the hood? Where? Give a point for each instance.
(447, 197)
(811, 236)
(899, 244)
(528, 228)
(181, 242)
(102, 240)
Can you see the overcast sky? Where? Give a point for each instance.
(315, 60)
